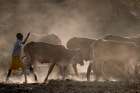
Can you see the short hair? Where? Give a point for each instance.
(19, 36)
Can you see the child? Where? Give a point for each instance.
(16, 54)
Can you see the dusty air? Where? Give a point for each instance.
(70, 46)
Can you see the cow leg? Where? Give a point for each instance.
(32, 71)
(75, 69)
(97, 71)
(65, 72)
(89, 71)
(103, 71)
(62, 71)
(30, 59)
(32, 68)
(8, 75)
(137, 67)
(49, 71)
(25, 74)
(131, 73)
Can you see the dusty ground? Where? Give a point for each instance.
(68, 86)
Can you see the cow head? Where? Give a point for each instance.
(77, 57)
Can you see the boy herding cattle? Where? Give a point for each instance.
(16, 54)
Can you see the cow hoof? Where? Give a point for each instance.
(36, 79)
(24, 82)
(44, 82)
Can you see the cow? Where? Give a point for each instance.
(110, 56)
(122, 39)
(81, 44)
(51, 39)
(115, 38)
(47, 53)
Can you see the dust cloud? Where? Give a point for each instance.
(65, 18)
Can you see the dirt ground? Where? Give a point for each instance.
(69, 86)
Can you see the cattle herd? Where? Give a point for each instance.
(120, 54)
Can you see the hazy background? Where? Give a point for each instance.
(66, 18)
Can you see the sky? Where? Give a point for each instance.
(66, 18)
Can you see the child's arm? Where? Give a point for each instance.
(26, 38)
